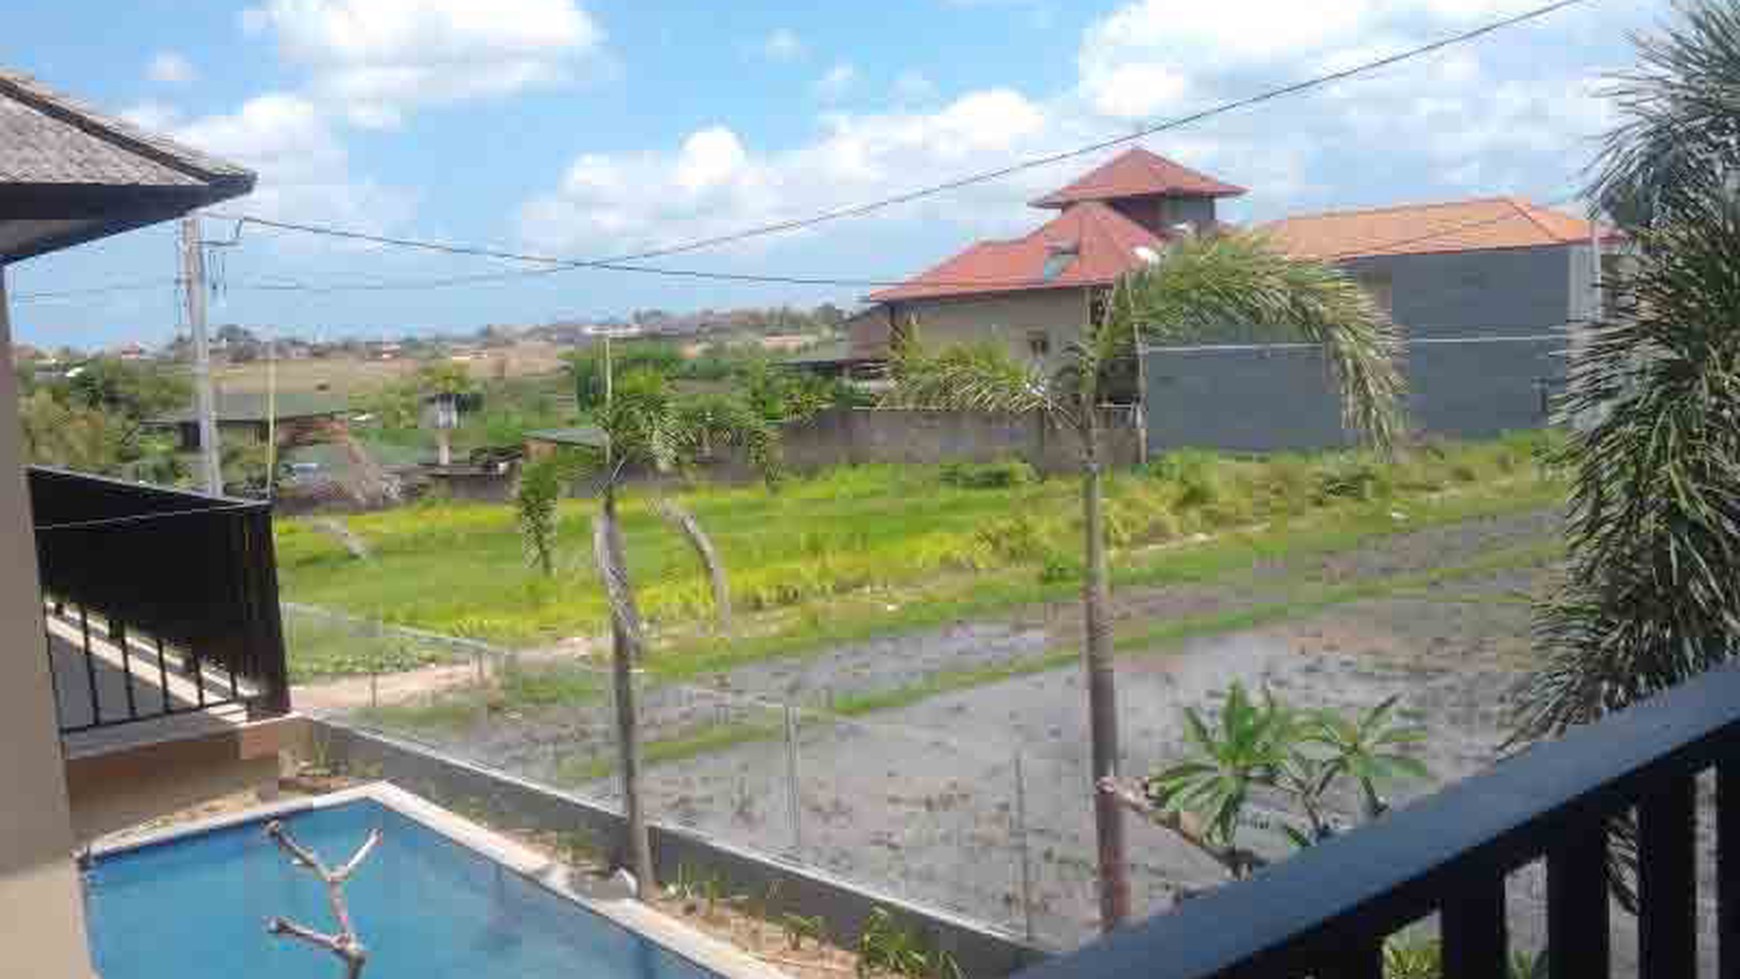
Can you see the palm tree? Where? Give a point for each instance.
(446, 382)
(650, 429)
(1652, 589)
(1200, 286)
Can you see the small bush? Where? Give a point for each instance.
(1016, 539)
(1355, 478)
(1058, 568)
(988, 475)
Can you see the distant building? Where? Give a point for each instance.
(1034, 294)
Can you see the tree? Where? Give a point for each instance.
(1651, 594)
(647, 427)
(1197, 287)
(343, 943)
(447, 382)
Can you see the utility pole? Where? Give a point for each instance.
(193, 265)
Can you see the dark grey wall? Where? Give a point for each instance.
(1485, 293)
(1281, 398)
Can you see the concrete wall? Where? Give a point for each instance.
(1283, 399)
(1484, 293)
(1262, 400)
(42, 926)
(983, 953)
(875, 435)
(1009, 320)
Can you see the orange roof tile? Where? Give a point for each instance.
(1107, 245)
(1138, 173)
(1421, 229)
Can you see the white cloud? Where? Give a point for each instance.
(713, 183)
(303, 167)
(379, 58)
(170, 68)
(783, 45)
(838, 81)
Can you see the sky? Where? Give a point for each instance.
(581, 128)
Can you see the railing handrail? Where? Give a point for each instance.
(1386, 875)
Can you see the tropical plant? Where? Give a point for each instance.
(886, 947)
(1197, 287)
(542, 482)
(1263, 749)
(1651, 594)
(450, 383)
(649, 429)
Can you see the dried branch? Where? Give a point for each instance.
(690, 528)
(345, 943)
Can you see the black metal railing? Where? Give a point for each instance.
(1327, 912)
(157, 601)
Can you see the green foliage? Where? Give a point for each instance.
(543, 482)
(1652, 590)
(1303, 756)
(798, 927)
(1424, 959)
(93, 421)
(886, 947)
(988, 475)
(134, 391)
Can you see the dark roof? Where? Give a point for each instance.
(586, 436)
(1087, 245)
(252, 407)
(69, 173)
(1138, 173)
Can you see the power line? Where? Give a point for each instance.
(136, 286)
(620, 262)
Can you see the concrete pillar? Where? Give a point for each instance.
(42, 926)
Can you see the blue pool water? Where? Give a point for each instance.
(426, 907)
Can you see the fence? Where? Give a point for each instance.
(1001, 838)
(182, 590)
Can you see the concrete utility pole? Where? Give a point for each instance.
(193, 265)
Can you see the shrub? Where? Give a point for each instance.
(1354, 478)
(1016, 539)
(988, 475)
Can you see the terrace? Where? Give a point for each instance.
(163, 638)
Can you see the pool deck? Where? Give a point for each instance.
(558, 878)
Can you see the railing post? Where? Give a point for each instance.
(268, 633)
(1578, 939)
(1667, 933)
(794, 788)
(1728, 869)
(1022, 848)
(1473, 926)
(90, 665)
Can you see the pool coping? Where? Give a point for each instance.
(684, 941)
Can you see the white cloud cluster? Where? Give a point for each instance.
(1451, 124)
(712, 183)
(303, 167)
(783, 45)
(377, 59)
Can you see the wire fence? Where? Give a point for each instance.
(1002, 837)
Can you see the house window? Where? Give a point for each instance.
(1039, 344)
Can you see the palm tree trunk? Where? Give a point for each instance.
(1101, 685)
(624, 656)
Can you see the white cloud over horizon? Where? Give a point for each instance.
(170, 68)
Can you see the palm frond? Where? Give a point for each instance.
(967, 378)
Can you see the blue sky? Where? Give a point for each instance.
(587, 127)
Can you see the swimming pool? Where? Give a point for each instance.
(437, 898)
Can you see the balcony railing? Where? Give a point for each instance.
(157, 602)
(1327, 911)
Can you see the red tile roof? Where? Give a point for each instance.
(1422, 229)
(1106, 243)
(1138, 173)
